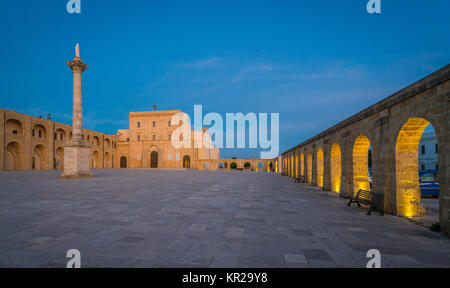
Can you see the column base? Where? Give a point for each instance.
(76, 160)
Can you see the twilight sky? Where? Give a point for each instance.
(314, 62)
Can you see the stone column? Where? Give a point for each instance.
(76, 151)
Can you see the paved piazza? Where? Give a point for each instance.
(177, 218)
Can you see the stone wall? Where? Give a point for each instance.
(28, 142)
(393, 127)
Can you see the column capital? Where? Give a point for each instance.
(76, 65)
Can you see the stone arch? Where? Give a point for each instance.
(407, 188)
(309, 166)
(186, 161)
(319, 167)
(296, 165)
(247, 165)
(360, 157)
(39, 131)
(39, 158)
(336, 168)
(96, 160)
(14, 127)
(302, 164)
(108, 160)
(220, 165)
(123, 162)
(60, 134)
(107, 143)
(95, 141)
(291, 166)
(14, 156)
(233, 165)
(59, 158)
(270, 166)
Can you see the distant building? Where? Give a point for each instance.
(428, 152)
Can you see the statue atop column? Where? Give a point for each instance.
(77, 151)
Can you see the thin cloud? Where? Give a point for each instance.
(206, 63)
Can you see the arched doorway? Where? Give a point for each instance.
(407, 153)
(220, 166)
(309, 164)
(59, 159)
(13, 156)
(361, 163)
(96, 161)
(319, 167)
(233, 165)
(123, 162)
(247, 165)
(336, 168)
(39, 159)
(186, 161)
(107, 160)
(296, 165)
(154, 159)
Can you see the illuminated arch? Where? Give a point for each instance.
(309, 164)
(361, 163)
(407, 166)
(302, 164)
(296, 165)
(319, 167)
(336, 170)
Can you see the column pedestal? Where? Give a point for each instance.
(76, 164)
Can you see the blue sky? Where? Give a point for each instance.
(314, 62)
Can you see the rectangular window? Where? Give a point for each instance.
(169, 123)
(40, 133)
(423, 167)
(139, 124)
(56, 136)
(154, 123)
(170, 137)
(14, 131)
(423, 149)
(169, 156)
(139, 137)
(61, 136)
(32, 133)
(436, 149)
(154, 137)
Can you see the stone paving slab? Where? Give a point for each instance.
(179, 218)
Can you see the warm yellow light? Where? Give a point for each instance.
(361, 163)
(302, 164)
(320, 167)
(336, 168)
(309, 164)
(407, 166)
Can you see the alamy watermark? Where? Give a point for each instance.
(73, 6)
(375, 258)
(75, 258)
(215, 136)
(374, 6)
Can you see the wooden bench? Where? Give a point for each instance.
(300, 179)
(374, 200)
